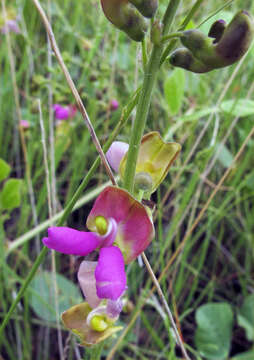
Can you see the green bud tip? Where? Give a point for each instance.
(143, 181)
(147, 8)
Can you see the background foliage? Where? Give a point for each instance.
(208, 287)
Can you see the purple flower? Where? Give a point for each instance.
(11, 26)
(113, 105)
(116, 217)
(115, 154)
(64, 112)
(109, 273)
(24, 124)
(104, 279)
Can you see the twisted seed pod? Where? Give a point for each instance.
(184, 58)
(146, 7)
(125, 17)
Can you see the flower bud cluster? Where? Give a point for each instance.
(129, 15)
(223, 46)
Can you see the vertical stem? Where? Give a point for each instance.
(145, 99)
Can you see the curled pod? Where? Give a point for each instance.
(184, 58)
(125, 17)
(147, 8)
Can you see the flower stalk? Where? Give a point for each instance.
(150, 76)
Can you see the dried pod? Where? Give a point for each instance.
(125, 17)
(146, 7)
(184, 58)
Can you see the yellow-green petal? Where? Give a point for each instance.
(74, 319)
(155, 158)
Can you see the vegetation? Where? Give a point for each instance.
(203, 250)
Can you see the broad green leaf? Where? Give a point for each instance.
(240, 107)
(42, 298)
(225, 156)
(245, 317)
(10, 195)
(4, 169)
(214, 331)
(174, 90)
(249, 355)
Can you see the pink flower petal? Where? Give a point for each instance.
(115, 154)
(109, 273)
(113, 203)
(61, 112)
(113, 105)
(70, 241)
(135, 229)
(87, 282)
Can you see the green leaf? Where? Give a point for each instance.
(240, 107)
(248, 355)
(225, 158)
(174, 90)
(4, 169)
(214, 332)
(245, 317)
(42, 298)
(10, 196)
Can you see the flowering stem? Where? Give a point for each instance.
(186, 21)
(145, 99)
(172, 36)
(125, 115)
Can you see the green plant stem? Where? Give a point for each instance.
(186, 21)
(171, 36)
(125, 115)
(145, 99)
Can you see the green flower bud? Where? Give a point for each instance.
(143, 181)
(216, 30)
(233, 44)
(146, 7)
(125, 17)
(236, 38)
(200, 45)
(183, 58)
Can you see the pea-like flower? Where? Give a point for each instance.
(120, 229)
(154, 160)
(101, 283)
(64, 112)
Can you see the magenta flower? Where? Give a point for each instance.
(24, 124)
(64, 112)
(121, 229)
(10, 25)
(116, 217)
(104, 279)
(113, 105)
